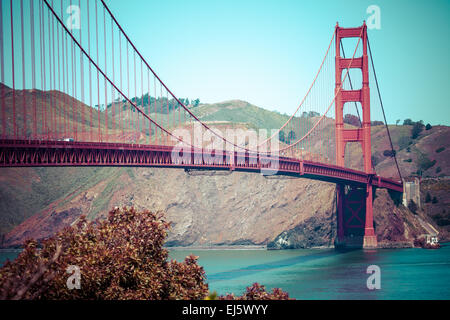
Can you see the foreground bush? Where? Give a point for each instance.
(119, 258)
(258, 292)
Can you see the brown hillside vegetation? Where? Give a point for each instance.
(58, 116)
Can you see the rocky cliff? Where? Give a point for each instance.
(219, 208)
(206, 208)
(395, 226)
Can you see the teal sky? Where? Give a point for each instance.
(267, 52)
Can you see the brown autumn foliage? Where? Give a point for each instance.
(121, 257)
(258, 292)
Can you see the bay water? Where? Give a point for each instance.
(323, 273)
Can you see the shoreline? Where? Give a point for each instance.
(399, 245)
(218, 247)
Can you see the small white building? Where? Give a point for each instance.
(432, 239)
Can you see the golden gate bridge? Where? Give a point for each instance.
(87, 97)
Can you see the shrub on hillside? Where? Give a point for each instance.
(352, 120)
(291, 136)
(416, 129)
(377, 123)
(441, 220)
(119, 258)
(412, 206)
(312, 114)
(424, 163)
(389, 153)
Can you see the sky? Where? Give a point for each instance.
(267, 52)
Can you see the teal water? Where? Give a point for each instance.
(8, 254)
(328, 274)
(324, 273)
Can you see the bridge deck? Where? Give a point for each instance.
(43, 153)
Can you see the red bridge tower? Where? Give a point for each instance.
(352, 200)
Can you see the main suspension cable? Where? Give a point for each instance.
(382, 108)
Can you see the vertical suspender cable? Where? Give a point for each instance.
(106, 72)
(67, 98)
(121, 87)
(155, 111)
(82, 104)
(98, 76)
(55, 100)
(74, 85)
(33, 71)
(142, 98)
(128, 122)
(12, 66)
(23, 73)
(90, 72)
(148, 108)
(41, 54)
(135, 95)
(2, 75)
(51, 121)
(142, 91)
(59, 83)
(114, 80)
(63, 78)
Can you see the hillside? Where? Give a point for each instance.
(215, 209)
(210, 208)
(238, 111)
(429, 152)
(58, 116)
(436, 203)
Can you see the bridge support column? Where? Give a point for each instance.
(370, 239)
(340, 214)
